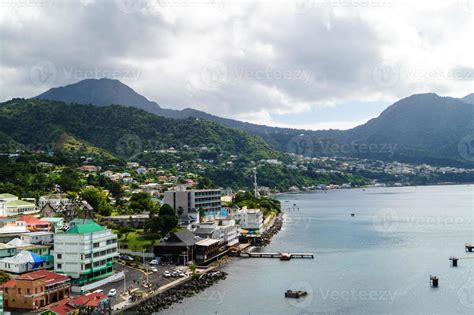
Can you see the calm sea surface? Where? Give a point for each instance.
(377, 262)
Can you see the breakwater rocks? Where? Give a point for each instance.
(175, 295)
(274, 229)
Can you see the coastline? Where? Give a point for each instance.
(165, 298)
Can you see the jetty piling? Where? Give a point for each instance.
(454, 261)
(469, 248)
(434, 281)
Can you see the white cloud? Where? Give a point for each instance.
(243, 60)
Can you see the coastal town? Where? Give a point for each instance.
(62, 253)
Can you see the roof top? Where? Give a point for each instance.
(62, 307)
(32, 220)
(91, 299)
(84, 227)
(6, 246)
(2, 196)
(207, 242)
(181, 238)
(47, 276)
(20, 203)
(24, 257)
(18, 242)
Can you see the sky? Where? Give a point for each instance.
(313, 64)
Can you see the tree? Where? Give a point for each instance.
(4, 277)
(70, 180)
(141, 202)
(126, 230)
(98, 200)
(166, 209)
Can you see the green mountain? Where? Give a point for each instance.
(422, 128)
(123, 131)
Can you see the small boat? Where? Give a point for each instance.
(285, 256)
(352, 214)
(295, 294)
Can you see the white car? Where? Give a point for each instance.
(112, 292)
(99, 291)
(154, 262)
(181, 274)
(154, 269)
(167, 274)
(175, 274)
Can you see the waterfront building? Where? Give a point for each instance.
(85, 252)
(34, 290)
(250, 220)
(10, 205)
(225, 231)
(179, 247)
(187, 203)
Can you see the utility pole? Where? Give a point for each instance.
(255, 187)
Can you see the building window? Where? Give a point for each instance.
(59, 266)
(28, 291)
(19, 290)
(60, 256)
(96, 245)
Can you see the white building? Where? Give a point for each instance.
(10, 205)
(226, 231)
(85, 252)
(54, 200)
(190, 201)
(38, 237)
(250, 220)
(24, 261)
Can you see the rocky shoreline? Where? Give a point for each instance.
(175, 295)
(272, 231)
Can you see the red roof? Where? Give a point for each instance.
(47, 276)
(91, 299)
(29, 219)
(9, 284)
(62, 308)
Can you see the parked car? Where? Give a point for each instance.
(154, 262)
(126, 258)
(99, 291)
(181, 274)
(175, 273)
(167, 274)
(112, 292)
(154, 269)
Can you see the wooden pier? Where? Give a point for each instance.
(277, 255)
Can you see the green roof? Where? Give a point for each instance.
(2, 196)
(88, 226)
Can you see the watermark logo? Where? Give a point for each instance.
(466, 148)
(466, 294)
(358, 295)
(214, 74)
(301, 145)
(43, 72)
(301, 6)
(129, 145)
(131, 6)
(386, 221)
(301, 223)
(386, 74)
(304, 301)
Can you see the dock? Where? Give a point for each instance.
(278, 255)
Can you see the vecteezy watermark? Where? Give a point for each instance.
(129, 145)
(216, 73)
(386, 220)
(300, 223)
(386, 74)
(46, 72)
(358, 295)
(357, 148)
(305, 300)
(305, 6)
(43, 72)
(131, 6)
(301, 145)
(213, 296)
(466, 294)
(389, 220)
(466, 148)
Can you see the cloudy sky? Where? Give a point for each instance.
(305, 63)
